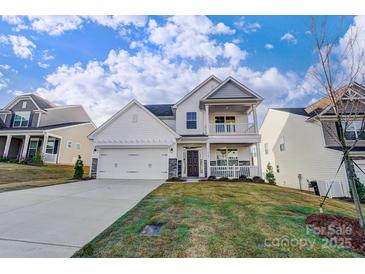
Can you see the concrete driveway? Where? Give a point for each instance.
(56, 221)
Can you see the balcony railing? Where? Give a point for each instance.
(50, 158)
(234, 171)
(231, 129)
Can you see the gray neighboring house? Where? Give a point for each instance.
(30, 123)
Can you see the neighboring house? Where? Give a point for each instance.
(300, 143)
(29, 124)
(208, 132)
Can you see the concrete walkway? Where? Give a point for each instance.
(56, 221)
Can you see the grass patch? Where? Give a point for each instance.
(16, 176)
(219, 220)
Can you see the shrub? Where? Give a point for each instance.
(79, 168)
(249, 180)
(37, 158)
(359, 187)
(23, 162)
(175, 179)
(223, 179)
(258, 179)
(13, 161)
(4, 159)
(270, 177)
(211, 178)
(242, 177)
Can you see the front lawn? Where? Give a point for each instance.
(219, 220)
(16, 176)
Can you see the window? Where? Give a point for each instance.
(78, 146)
(69, 144)
(282, 144)
(352, 130)
(225, 123)
(135, 118)
(266, 148)
(33, 147)
(24, 104)
(21, 119)
(277, 169)
(191, 120)
(227, 157)
(50, 145)
(253, 151)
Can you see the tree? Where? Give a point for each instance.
(79, 168)
(270, 177)
(340, 67)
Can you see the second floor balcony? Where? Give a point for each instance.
(231, 128)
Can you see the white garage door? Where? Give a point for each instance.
(140, 163)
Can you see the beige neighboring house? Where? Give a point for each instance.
(30, 123)
(300, 147)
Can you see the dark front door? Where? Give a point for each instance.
(193, 163)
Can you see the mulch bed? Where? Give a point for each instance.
(342, 231)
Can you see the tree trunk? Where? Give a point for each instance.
(350, 177)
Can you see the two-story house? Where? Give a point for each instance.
(302, 143)
(210, 131)
(30, 123)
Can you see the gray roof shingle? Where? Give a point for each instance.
(298, 111)
(160, 110)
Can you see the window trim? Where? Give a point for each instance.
(53, 140)
(22, 118)
(189, 119)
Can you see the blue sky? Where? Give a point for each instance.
(106, 61)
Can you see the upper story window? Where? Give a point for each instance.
(21, 119)
(282, 144)
(24, 104)
(191, 120)
(266, 148)
(353, 130)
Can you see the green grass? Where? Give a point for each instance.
(219, 220)
(16, 176)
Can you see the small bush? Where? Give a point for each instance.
(258, 179)
(23, 162)
(13, 161)
(211, 178)
(249, 180)
(225, 179)
(242, 177)
(270, 177)
(4, 159)
(79, 168)
(37, 158)
(175, 179)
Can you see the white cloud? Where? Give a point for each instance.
(116, 21)
(55, 24)
(43, 65)
(247, 27)
(22, 47)
(5, 67)
(47, 56)
(307, 32)
(234, 54)
(224, 29)
(269, 46)
(289, 38)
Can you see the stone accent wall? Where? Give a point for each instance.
(205, 169)
(172, 167)
(179, 168)
(94, 166)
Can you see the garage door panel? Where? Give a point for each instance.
(133, 163)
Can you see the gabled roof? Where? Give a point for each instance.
(44, 127)
(161, 110)
(298, 111)
(124, 109)
(40, 102)
(240, 91)
(197, 88)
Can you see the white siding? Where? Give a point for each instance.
(304, 150)
(230, 90)
(192, 105)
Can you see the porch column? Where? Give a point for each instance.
(207, 119)
(258, 155)
(208, 159)
(44, 144)
(7, 146)
(255, 117)
(25, 146)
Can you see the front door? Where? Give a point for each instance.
(193, 163)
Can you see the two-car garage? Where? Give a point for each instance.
(133, 163)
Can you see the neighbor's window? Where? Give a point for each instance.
(50, 145)
(78, 146)
(69, 144)
(353, 130)
(266, 148)
(191, 120)
(227, 157)
(21, 119)
(282, 144)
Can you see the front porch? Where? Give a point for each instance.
(24, 146)
(201, 160)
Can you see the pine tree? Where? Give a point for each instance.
(79, 168)
(270, 174)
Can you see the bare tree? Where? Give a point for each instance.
(340, 68)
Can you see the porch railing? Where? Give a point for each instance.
(231, 128)
(234, 171)
(50, 158)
